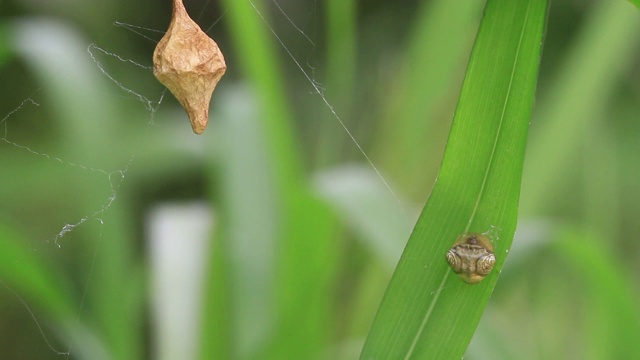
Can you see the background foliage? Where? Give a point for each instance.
(275, 167)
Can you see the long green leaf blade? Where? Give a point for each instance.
(295, 252)
(427, 312)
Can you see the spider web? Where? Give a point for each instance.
(52, 51)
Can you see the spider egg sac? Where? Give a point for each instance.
(190, 64)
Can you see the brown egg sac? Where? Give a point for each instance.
(190, 64)
(471, 257)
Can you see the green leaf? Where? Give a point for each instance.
(362, 201)
(612, 305)
(295, 229)
(411, 125)
(427, 311)
(576, 102)
(29, 275)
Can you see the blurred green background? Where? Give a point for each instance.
(125, 236)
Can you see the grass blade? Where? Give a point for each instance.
(33, 277)
(300, 268)
(420, 91)
(612, 305)
(603, 51)
(427, 312)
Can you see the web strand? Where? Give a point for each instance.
(114, 177)
(318, 90)
(136, 30)
(35, 320)
(291, 22)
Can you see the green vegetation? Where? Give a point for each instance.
(306, 235)
(427, 312)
